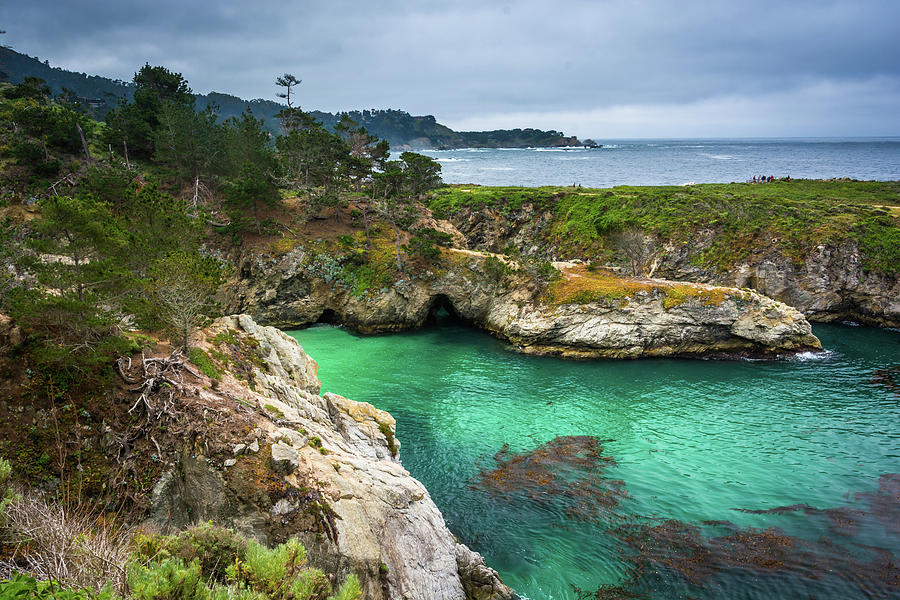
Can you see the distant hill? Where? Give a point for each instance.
(403, 131)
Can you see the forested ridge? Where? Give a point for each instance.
(99, 95)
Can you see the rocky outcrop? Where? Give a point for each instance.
(643, 323)
(829, 284)
(319, 467)
(10, 333)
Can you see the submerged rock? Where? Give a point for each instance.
(326, 472)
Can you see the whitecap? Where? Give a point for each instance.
(452, 159)
(812, 355)
(721, 156)
(850, 323)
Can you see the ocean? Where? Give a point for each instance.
(718, 479)
(674, 162)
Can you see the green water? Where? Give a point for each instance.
(693, 440)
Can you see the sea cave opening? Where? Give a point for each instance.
(442, 312)
(329, 316)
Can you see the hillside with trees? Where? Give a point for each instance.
(99, 95)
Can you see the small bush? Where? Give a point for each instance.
(200, 358)
(170, 579)
(496, 268)
(27, 587)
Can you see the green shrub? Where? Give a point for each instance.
(6, 493)
(25, 587)
(425, 243)
(496, 268)
(200, 358)
(349, 590)
(170, 579)
(211, 563)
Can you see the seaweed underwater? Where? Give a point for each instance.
(709, 558)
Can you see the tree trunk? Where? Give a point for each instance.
(125, 146)
(44, 145)
(84, 144)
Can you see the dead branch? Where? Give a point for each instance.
(161, 379)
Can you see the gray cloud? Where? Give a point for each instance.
(807, 67)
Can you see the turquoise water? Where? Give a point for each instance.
(693, 440)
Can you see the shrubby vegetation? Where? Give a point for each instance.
(131, 238)
(743, 219)
(67, 553)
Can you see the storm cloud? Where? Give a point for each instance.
(602, 68)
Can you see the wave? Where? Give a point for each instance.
(498, 169)
(452, 159)
(812, 356)
(721, 156)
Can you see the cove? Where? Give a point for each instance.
(691, 441)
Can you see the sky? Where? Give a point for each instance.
(593, 68)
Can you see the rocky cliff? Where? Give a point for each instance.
(613, 317)
(294, 462)
(827, 283)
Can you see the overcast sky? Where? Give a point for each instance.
(601, 68)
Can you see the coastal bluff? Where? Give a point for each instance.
(581, 314)
(315, 466)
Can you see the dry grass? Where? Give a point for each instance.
(582, 286)
(74, 547)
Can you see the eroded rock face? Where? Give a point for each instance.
(641, 324)
(830, 284)
(324, 469)
(10, 333)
